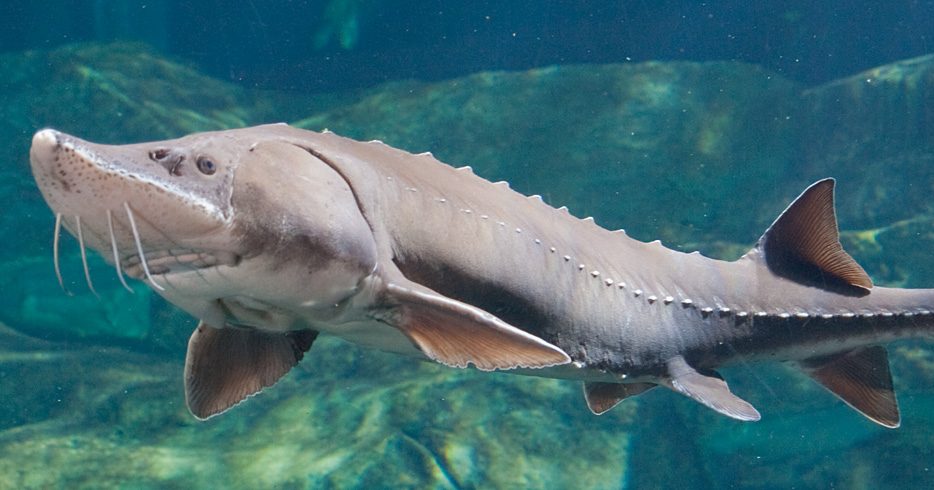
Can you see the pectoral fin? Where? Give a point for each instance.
(709, 390)
(601, 397)
(862, 379)
(457, 334)
(226, 365)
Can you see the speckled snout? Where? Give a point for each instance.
(170, 203)
(167, 200)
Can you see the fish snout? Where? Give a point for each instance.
(44, 155)
(44, 143)
(68, 173)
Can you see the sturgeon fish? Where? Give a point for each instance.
(271, 235)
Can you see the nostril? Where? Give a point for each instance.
(159, 154)
(175, 165)
(168, 159)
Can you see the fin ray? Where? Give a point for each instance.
(601, 397)
(226, 365)
(457, 334)
(803, 244)
(862, 379)
(708, 390)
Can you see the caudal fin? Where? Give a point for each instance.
(803, 245)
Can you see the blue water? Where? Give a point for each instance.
(690, 122)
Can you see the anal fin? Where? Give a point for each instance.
(601, 397)
(862, 379)
(225, 365)
(457, 334)
(709, 390)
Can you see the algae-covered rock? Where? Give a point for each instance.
(910, 241)
(110, 93)
(875, 131)
(102, 418)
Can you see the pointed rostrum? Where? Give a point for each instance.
(226, 365)
(862, 379)
(803, 244)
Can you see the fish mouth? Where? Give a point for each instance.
(161, 262)
(141, 264)
(176, 260)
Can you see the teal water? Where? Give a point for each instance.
(701, 151)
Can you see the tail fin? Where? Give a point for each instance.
(803, 245)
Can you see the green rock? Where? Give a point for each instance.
(910, 240)
(372, 419)
(874, 131)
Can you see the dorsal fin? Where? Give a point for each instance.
(862, 379)
(803, 244)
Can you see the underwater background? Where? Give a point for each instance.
(694, 123)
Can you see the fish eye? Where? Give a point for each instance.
(207, 166)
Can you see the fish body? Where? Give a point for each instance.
(270, 235)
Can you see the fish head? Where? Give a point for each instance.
(176, 190)
(170, 211)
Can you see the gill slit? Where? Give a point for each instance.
(139, 247)
(55, 240)
(84, 256)
(113, 247)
